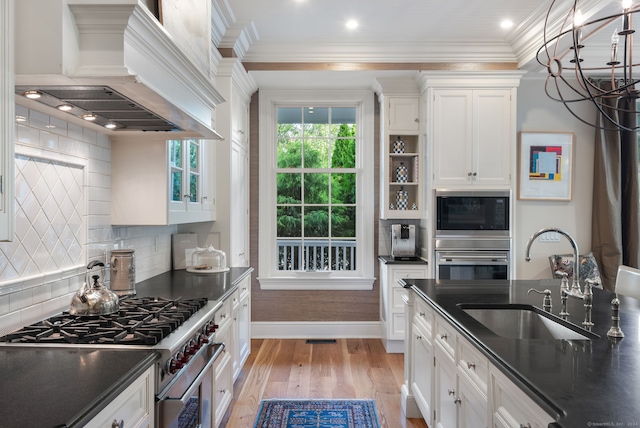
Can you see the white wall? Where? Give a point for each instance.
(537, 113)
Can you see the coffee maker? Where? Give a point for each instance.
(403, 242)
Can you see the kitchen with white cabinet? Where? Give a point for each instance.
(73, 191)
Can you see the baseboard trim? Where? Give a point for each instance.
(315, 330)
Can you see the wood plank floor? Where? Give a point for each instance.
(349, 368)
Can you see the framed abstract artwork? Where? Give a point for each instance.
(546, 166)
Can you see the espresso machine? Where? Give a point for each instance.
(403, 242)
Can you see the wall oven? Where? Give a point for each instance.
(481, 213)
(473, 259)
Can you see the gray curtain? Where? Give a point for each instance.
(614, 229)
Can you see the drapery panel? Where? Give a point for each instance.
(615, 231)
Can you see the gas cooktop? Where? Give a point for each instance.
(140, 321)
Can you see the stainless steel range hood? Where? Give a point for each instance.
(114, 59)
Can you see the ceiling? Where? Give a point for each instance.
(398, 36)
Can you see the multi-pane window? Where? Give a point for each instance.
(184, 158)
(316, 189)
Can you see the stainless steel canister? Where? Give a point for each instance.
(123, 272)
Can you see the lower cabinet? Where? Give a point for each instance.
(392, 318)
(512, 407)
(133, 408)
(242, 326)
(453, 384)
(222, 386)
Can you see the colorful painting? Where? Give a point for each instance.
(545, 166)
(545, 163)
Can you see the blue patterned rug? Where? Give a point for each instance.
(317, 414)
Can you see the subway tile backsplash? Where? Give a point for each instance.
(63, 178)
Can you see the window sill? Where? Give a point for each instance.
(300, 283)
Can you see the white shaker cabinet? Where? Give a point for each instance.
(133, 408)
(473, 135)
(241, 316)
(451, 383)
(7, 121)
(156, 181)
(404, 114)
(392, 314)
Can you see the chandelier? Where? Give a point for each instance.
(579, 73)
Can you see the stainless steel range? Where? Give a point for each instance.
(182, 331)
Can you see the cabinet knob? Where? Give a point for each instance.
(525, 425)
(457, 401)
(469, 174)
(419, 337)
(116, 424)
(417, 120)
(471, 366)
(452, 392)
(422, 314)
(475, 174)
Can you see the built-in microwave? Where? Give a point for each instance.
(479, 213)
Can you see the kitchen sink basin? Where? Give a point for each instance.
(525, 322)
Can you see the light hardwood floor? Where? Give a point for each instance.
(349, 368)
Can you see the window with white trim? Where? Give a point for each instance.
(316, 190)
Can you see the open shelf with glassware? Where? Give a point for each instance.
(401, 190)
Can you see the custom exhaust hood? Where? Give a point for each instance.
(111, 59)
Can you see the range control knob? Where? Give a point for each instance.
(202, 339)
(176, 363)
(190, 348)
(211, 327)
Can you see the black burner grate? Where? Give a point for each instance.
(140, 321)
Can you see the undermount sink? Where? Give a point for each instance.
(524, 322)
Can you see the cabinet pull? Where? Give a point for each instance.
(422, 314)
(116, 424)
(419, 337)
(471, 366)
(469, 174)
(457, 401)
(443, 336)
(525, 425)
(452, 392)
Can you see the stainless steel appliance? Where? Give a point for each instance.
(182, 331)
(403, 242)
(473, 258)
(469, 213)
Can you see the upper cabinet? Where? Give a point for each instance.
(161, 182)
(471, 130)
(404, 114)
(401, 158)
(7, 122)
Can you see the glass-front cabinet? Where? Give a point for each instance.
(162, 182)
(185, 163)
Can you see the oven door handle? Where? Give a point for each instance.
(171, 406)
(473, 259)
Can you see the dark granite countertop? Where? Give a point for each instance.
(580, 383)
(66, 386)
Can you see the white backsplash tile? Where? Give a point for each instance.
(63, 220)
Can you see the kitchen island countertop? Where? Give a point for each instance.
(580, 383)
(66, 386)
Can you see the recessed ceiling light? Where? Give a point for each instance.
(507, 23)
(32, 94)
(110, 125)
(65, 107)
(90, 117)
(352, 24)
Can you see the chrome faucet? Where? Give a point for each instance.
(575, 284)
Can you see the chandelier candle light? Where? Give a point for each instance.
(566, 33)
